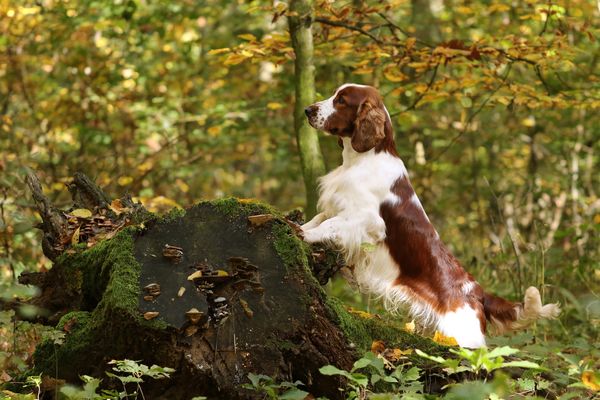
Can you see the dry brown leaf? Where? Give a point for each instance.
(260, 219)
(378, 346)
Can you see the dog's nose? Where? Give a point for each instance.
(310, 111)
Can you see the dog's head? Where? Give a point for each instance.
(354, 111)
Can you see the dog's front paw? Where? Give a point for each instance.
(310, 236)
(296, 228)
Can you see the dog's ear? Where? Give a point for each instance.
(369, 127)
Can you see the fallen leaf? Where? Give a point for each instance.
(181, 291)
(247, 310)
(260, 219)
(4, 377)
(117, 207)
(377, 346)
(75, 237)
(195, 275)
(439, 338)
(591, 380)
(410, 326)
(81, 213)
(395, 355)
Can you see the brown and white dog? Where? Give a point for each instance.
(369, 210)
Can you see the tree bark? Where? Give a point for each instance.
(300, 25)
(218, 291)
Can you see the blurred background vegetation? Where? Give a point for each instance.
(495, 107)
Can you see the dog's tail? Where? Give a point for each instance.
(505, 315)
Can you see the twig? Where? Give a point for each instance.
(419, 97)
(547, 19)
(473, 115)
(394, 26)
(355, 28)
(6, 243)
(513, 243)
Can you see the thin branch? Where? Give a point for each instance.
(355, 28)
(547, 19)
(514, 245)
(418, 98)
(393, 26)
(473, 115)
(538, 72)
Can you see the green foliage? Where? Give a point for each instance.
(272, 390)
(396, 380)
(127, 372)
(479, 359)
(494, 107)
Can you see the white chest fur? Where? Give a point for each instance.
(360, 184)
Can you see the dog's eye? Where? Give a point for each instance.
(340, 100)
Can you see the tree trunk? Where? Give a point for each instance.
(308, 142)
(217, 291)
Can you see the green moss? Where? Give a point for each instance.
(108, 277)
(173, 214)
(288, 246)
(362, 331)
(234, 207)
(81, 318)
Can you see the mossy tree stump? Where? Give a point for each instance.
(216, 292)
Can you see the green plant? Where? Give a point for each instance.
(273, 390)
(129, 372)
(374, 372)
(479, 359)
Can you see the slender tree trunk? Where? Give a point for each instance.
(308, 142)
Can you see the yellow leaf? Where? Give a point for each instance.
(214, 130)
(591, 380)
(363, 71)
(439, 338)
(197, 274)
(359, 313)
(274, 106)
(218, 51)
(117, 206)
(159, 204)
(81, 213)
(220, 272)
(393, 74)
(377, 346)
(124, 180)
(184, 187)
(529, 121)
(247, 36)
(234, 59)
(181, 291)
(75, 237)
(410, 326)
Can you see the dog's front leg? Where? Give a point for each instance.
(314, 222)
(325, 231)
(348, 231)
